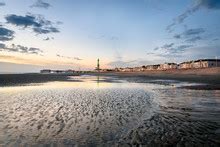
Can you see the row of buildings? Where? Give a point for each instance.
(202, 63)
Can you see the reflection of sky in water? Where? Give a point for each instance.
(75, 82)
(94, 109)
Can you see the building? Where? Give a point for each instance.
(167, 66)
(137, 69)
(185, 65)
(201, 63)
(152, 67)
(127, 69)
(58, 71)
(45, 71)
(70, 71)
(98, 66)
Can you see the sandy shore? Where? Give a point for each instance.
(209, 78)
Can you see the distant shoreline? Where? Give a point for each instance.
(209, 77)
(190, 71)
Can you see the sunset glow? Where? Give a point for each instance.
(119, 32)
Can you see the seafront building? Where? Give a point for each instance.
(201, 63)
(167, 66)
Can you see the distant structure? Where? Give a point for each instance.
(98, 66)
(201, 63)
(45, 71)
(49, 71)
(194, 64)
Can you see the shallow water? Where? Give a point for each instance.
(108, 111)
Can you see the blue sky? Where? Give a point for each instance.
(74, 33)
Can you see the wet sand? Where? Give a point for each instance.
(34, 78)
(208, 78)
(109, 111)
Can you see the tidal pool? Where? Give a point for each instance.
(107, 111)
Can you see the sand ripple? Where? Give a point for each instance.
(75, 115)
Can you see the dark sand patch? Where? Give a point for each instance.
(34, 79)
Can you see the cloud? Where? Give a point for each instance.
(23, 21)
(191, 35)
(156, 48)
(46, 39)
(40, 4)
(59, 22)
(20, 49)
(185, 52)
(177, 36)
(77, 58)
(167, 46)
(184, 15)
(46, 30)
(36, 22)
(194, 31)
(209, 4)
(175, 51)
(198, 4)
(216, 39)
(2, 45)
(179, 49)
(34, 50)
(170, 50)
(2, 4)
(73, 58)
(6, 34)
(194, 39)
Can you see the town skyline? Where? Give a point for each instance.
(192, 64)
(38, 34)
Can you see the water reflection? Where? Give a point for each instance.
(98, 81)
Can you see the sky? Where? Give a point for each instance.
(73, 34)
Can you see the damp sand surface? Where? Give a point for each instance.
(109, 111)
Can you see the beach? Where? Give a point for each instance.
(208, 78)
(205, 76)
(107, 109)
(109, 73)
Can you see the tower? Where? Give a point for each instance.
(98, 66)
